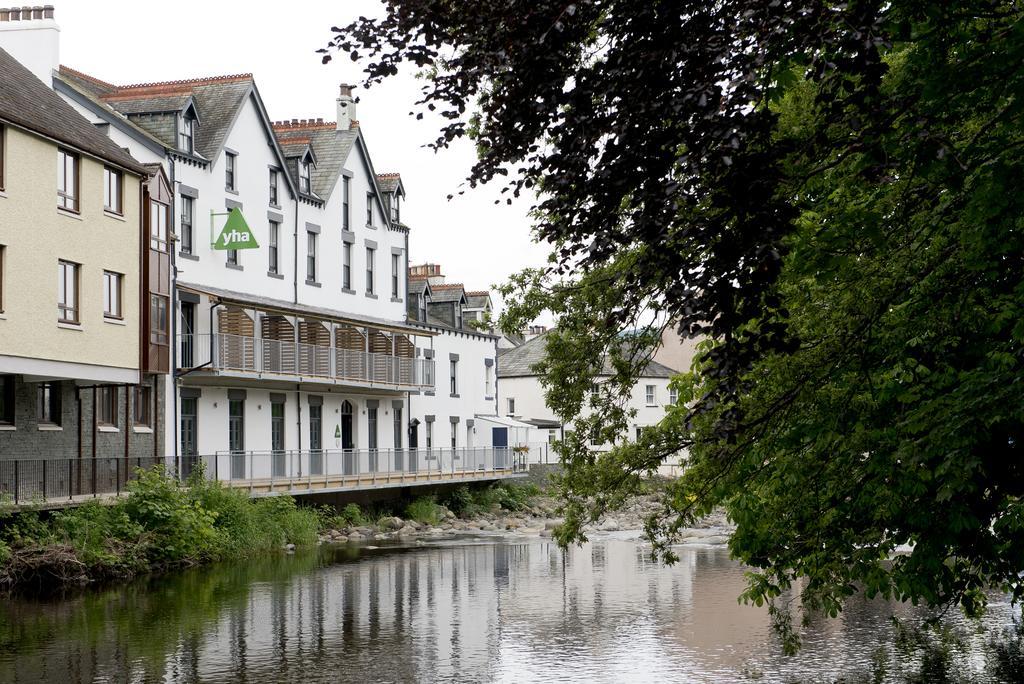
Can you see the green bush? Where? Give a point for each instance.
(349, 516)
(160, 524)
(424, 510)
(460, 500)
(511, 496)
(514, 496)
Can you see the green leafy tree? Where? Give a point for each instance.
(829, 194)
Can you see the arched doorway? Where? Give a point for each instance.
(347, 438)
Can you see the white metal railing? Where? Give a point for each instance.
(222, 351)
(298, 468)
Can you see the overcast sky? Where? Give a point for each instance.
(477, 242)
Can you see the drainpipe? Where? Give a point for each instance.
(78, 405)
(127, 428)
(172, 376)
(94, 432)
(212, 307)
(295, 252)
(298, 421)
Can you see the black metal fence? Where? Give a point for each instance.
(37, 480)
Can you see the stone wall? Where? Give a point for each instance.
(540, 472)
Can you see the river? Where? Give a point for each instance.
(473, 609)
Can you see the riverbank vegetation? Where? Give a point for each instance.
(160, 525)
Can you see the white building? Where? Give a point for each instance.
(522, 396)
(301, 345)
(461, 411)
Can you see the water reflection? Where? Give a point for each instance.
(473, 610)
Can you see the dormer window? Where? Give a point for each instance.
(186, 133)
(422, 305)
(394, 209)
(304, 176)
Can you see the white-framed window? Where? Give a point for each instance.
(186, 133)
(673, 396)
(304, 177)
(273, 187)
(430, 436)
(511, 403)
(158, 226)
(488, 381)
(275, 229)
(369, 209)
(346, 198)
(370, 257)
(230, 160)
(112, 190)
(311, 256)
(395, 266)
(346, 265)
(112, 294)
(651, 395)
(453, 367)
(187, 209)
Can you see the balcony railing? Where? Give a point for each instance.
(265, 356)
(64, 481)
(296, 468)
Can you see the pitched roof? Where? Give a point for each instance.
(389, 182)
(28, 102)
(442, 293)
(153, 106)
(417, 285)
(519, 361)
(477, 300)
(330, 146)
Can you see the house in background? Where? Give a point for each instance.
(82, 358)
(522, 395)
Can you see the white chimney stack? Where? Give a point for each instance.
(31, 36)
(346, 107)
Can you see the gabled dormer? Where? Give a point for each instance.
(419, 299)
(393, 191)
(186, 127)
(301, 161)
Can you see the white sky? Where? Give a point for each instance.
(477, 242)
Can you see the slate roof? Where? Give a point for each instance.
(388, 182)
(477, 300)
(440, 294)
(330, 146)
(153, 106)
(73, 84)
(417, 285)
(28, 102)
(519, 361)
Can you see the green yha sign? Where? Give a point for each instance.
(236, 233)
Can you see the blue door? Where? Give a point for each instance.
(499, 440)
